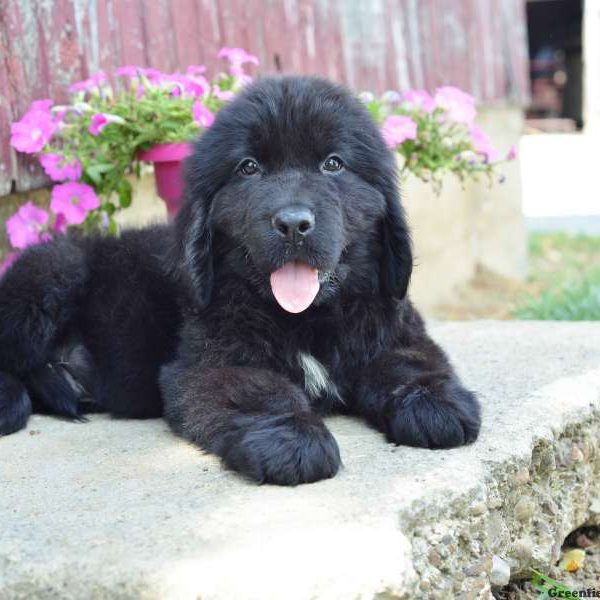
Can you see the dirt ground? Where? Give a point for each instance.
(563, 284)
(588, 576)
(486, 296)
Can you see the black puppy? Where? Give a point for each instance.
(278, 295)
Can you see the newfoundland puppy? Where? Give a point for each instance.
(277, 296)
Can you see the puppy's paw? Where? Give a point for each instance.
(15, 405)
(285, 449)
(445, 417)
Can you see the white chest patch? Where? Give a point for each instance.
(317, 381)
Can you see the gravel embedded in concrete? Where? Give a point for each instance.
(123, 509)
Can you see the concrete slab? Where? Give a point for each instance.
(123, 509)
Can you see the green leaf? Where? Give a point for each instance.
(95, 172)
(113, 228)
(125, 192)
(108, 208)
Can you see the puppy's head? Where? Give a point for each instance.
(293, 190)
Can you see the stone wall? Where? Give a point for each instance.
(468, 226)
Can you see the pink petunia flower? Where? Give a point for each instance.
(223, 95)
(73, 201)
(459, 105)
(60, 223)
(397, 129)
(26, 226)
(197, 85)
(152, 75)
(193, 85)
(482, 144)
(196, 70)
(59, 170)
(33, 131)
(237, 56)
(512, 152)
(101, 120)
(128, 71)
(7, 262)
(241, 77)
(94, 82)
(202, 115)
(418, 100)
(43, 105)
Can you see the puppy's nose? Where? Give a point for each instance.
(294, 223)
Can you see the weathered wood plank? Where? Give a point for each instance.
(6, 116)
(188, 44)
(111, 49)
(25, 81)
(479, 45)
(159, 35)
(129, 25)
(209, 35)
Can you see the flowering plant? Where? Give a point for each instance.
(436, 134)
(89, 146)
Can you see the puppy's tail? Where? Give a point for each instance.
(15, 404)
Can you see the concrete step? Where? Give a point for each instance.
(123, 509)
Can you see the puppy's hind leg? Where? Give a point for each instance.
(39, 296)
(66, 385)
(15, 404)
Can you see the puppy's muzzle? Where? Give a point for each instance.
(294, 223)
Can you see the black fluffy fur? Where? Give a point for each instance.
(180, 320)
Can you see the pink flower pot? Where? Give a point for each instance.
(168, 161)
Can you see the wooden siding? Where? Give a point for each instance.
(478, 45)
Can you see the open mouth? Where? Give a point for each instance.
(295, 286)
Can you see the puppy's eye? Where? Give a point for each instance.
(332, 164)
(248, 167)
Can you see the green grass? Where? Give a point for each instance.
(565, 272)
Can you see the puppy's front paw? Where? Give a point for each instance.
(285, 449)
(444, 417)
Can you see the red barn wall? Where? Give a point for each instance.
(478, 45)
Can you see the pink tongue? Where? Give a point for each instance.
(295, 286)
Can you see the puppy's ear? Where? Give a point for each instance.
(205, 171)
(396, 257)
(191, 259)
